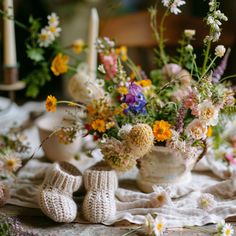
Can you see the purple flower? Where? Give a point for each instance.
(134, 89)
(129, 99)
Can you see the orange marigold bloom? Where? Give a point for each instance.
(51, 103)
(161, 130)
(99, 125)
(144, 82)
(60, 64)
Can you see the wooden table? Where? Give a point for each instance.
(34, 221)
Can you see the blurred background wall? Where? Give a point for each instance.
(74, 15)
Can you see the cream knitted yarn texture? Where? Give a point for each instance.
(55, 194)
(99, 203)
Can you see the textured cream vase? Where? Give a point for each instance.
(164, 166)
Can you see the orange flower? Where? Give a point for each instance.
(59, 64)
(161, 130)
(122, 52)
(99, 125)
(78, 46)
(51, 103)
(144, 82)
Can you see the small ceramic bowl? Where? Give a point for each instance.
(53, 149)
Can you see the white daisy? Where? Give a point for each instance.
(160, 198)
(227, 230)
(55, 31)
(53, 19)
(45, 38)
(159, 225)
(11, 162)
(206, 202)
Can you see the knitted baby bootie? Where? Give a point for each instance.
(99, 203)
(55, 194)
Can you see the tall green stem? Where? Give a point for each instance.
(206, 57)
(161, 42)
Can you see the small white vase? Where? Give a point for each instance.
(53, 149)
(164, 166)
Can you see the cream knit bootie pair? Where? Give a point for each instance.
(55, 195)
(99, 203)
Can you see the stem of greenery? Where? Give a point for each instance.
(161, 41)
(227, 77)
(71, 104)
(4, 14)
(206, 57)
(132, 231)
(209, 67)
(133, 68)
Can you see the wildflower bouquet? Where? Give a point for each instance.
(175, 107)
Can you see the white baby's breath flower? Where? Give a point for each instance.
(189, 33)
(173, 5)
(220, 51)
(124, 130)
(206, 202)
(101, 69)
(159, 225)
(54, 30)
(208, 113)
(45, 38)
(197, 129)
(53, 19)
(227, 230)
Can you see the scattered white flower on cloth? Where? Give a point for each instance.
(155, 226)
(206, 202)
(160, 198)
(220, 51)
(173, 5)
(224, 229)
(10, 161)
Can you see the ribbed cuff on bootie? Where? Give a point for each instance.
(55, 195)
(100, 177)
(64, 177)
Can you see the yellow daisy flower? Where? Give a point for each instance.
(122, 90)
(51, 103)
(59, 64)
(161, 130)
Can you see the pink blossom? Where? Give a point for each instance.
(230, 158)
(110, 64)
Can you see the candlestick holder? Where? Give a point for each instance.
(11, 82)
